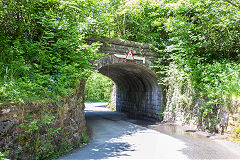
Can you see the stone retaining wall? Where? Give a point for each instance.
(30, 131)
(227, 119)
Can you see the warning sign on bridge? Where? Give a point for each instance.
(130, 56)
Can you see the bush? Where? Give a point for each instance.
(42, 53)
(98, 88)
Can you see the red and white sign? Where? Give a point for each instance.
(130, 56)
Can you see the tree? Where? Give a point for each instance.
(43, 53)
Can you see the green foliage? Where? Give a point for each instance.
(237, 133)
(111, 107)
(39, 138)
(32, 137)
(198, 44)
(4, 155)
(206, 28)
(84, 137)
(98, 88)
(43, 54)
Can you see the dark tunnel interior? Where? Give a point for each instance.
(137, 90)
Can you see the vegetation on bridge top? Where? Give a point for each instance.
(198, 44)
(43, 54)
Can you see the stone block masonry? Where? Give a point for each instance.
(137, 91)
(37, 130)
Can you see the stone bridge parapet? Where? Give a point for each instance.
(117, 49)
(137, 90)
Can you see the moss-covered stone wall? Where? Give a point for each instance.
(43, 130)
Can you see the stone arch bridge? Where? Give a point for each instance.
(137, 92)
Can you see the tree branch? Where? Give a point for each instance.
(233, 3)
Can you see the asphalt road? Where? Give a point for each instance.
(115, 137)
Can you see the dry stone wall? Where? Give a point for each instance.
(34, 130)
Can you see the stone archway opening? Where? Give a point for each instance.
(137, 91)
(98, 88)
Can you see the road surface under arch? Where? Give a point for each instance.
(115, 137)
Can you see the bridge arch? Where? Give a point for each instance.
(137, 91)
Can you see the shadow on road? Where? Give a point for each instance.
(114, 136)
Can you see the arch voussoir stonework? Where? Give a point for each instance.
(137, 90)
